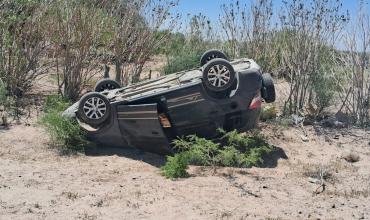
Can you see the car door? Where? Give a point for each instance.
(140, 126)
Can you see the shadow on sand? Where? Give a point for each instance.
(269, 161)
(132, 153)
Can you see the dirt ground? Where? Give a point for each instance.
(37, 183)
(306, 179)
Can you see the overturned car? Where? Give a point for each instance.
(150, 114)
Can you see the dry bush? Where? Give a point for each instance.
(76, 30)
(184, 50)
(310, 30)
(134, 38)
(353, 66)
(247, 30)
(22, 45)
(3, 105)
(299, 46)
(201, 31)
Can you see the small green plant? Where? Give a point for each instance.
(176, 166)
(65, 133)
(232, 150)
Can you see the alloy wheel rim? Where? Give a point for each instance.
(95, 108)
(219, 76)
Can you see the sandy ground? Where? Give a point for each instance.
(37, 183)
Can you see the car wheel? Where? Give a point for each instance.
(218, 76)
(106, 84)
(94, 108)
(268, 88)
(210, 55)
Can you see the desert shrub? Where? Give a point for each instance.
(232, 150)
(3, 104)
(353, 66)
(138, 29)
(185, 59)
(183, 51)
(55, 103)
(324, 88)
(65, 133)
(76, 33)
(244, 150)
(22, 44)
(200, 150)
(176, 166)
(6, 102)
(2, 92)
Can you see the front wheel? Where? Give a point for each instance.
(94, 109)
(219, 76)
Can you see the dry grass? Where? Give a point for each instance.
(70, 195)
(351, 193)
(315, 171)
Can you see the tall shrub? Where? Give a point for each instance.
(22, 44)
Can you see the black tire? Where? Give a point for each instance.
(268, 88)
(210, 55)
(94, 109)
(106, 84)
(218, 76)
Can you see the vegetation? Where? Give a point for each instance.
(184, 51)
(176, 166)
(232, 150)
(77, 37)
(186, 58)
(297, 41)
(22, 43)
(3, 105)
(65, 133)
(3, 96)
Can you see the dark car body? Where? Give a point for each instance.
(150, 114)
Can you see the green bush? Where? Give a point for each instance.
(323, 83)
(176, 166)
(245, 150)
(65, 133)
(236, 150)
(183, 60)
(55, 103)
(201, 151)
(229, 157)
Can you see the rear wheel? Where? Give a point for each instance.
(106, 84)
(210, 55)
(268, 88)
(94, 108)
(219, 76)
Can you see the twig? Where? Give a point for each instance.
(322, 182)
